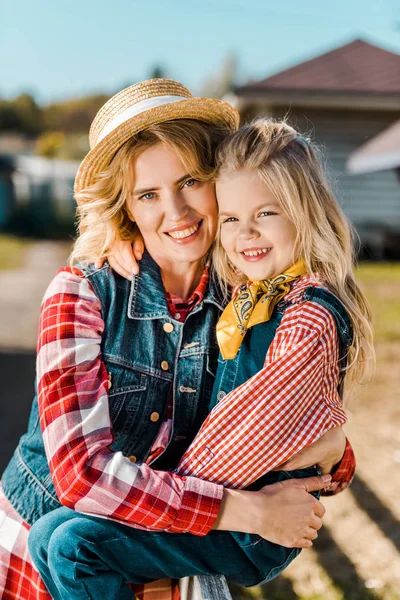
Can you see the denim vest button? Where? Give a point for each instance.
(221, 394)
(177, 316)
(133, 458)
(154, 417)
(168, 327)
(164, 365)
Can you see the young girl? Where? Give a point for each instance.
(294, 333)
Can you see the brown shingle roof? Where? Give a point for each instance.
(357, 67)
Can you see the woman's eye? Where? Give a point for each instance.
(148, 196)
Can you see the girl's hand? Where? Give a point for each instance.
(326, 453)
(284, 513)
(123, 257)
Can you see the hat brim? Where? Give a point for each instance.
(209, 110)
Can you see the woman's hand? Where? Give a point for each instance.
(326, 453)
(124, 257)
(284, 513)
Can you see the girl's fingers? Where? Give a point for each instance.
(116, 266)
(138, 247)
(98, 263)
(123, 253)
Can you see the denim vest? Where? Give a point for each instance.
(146, 362)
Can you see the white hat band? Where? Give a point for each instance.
(137, 109)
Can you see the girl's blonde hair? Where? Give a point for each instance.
(103, 215)
(287, 163)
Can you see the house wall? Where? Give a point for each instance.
(371, 201)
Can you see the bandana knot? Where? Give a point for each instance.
(252, 305)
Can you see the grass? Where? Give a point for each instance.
(381, 284)
(12, 251)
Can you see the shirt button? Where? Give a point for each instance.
(133, 458)
(164, 365)
(168, 327)
(154, 417)
(177, 316)
(221, 395)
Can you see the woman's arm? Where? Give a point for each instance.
(77, 432)
(284, 513)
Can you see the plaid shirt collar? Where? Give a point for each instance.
(147, 294)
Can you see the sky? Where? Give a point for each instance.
(62, 49)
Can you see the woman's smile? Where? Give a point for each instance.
(185, 233)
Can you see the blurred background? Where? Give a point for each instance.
(334, 70)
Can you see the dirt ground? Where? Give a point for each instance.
(357, 554)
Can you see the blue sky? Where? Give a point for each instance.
(66, 48)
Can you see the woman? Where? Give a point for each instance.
(112, 395)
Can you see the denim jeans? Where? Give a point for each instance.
(83, 557)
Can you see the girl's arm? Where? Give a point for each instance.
(283, 408)
(124, 257)
(333, 454)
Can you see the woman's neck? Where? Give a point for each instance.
(181, 279)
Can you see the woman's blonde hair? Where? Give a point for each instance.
(287, 163)
(103, 214)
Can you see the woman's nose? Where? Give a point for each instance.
(177, 208)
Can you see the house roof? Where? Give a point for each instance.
(356, 68)
(378, 154)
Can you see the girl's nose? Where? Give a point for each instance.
(247, 232)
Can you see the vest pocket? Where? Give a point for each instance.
(126, 395)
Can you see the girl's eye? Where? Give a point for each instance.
(148, 196)
(266, 213)
(229, 220)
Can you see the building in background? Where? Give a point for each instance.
(36, 195)
(343, 98)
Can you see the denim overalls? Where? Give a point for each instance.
(145, 363)
(271, 559)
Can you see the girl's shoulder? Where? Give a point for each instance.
(297, 294)
(304, 308)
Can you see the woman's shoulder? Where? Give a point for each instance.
(69, 281)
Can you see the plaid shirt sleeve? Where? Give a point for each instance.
(283, 408)
(77, 432)
(343, 474)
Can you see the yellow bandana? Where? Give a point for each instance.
(253, 305)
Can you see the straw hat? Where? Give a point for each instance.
(136, 108)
